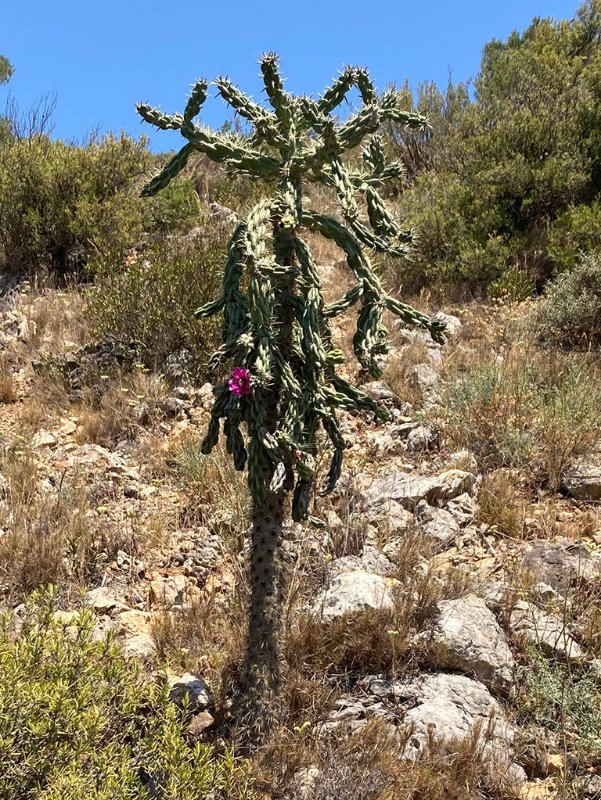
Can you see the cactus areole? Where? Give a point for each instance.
(283, 390)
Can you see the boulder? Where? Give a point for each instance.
(453, 324)
(421, 438)
(424, 380)
(437, 524)
(354, 591)
(372, 560)
(189, 690)
(103, 601)
(446, 708)
(407, 490)
(468, 638)
(583, 480)
(169, 591)
(562, 564)
(547, 631)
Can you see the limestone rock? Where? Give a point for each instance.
(437, 524)
(424, 380)
(470, 639)
(103, 601)
(44, 439)
(407, 490)
(421, 438)
(549, 632)
(190, 690)
(371, 560)
(351, 592)
(453, 324)
(446, 707)
(583, 480)
(140, 646)
(168, 592)
(562, 564)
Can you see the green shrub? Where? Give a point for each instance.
(570, 313)
(153, 300)
(562, 699)
(78, 721)
(60, 203)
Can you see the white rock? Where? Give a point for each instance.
(436, 523)
(583, 480)
(103, 601)
(453, 324)
(408, 490)
(190, 689)
(471, 640)
(169, 591)
(547, 631)
(351, 592)
(43, 439)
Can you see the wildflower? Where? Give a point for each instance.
(239, 383)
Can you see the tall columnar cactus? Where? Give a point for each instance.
(284, 389)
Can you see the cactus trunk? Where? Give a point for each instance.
(264, 652)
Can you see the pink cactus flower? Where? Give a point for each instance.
(239, 383)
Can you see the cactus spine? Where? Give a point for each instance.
(276, 323)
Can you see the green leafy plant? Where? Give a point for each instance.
(569, 315)
(152, 301)
(284, 386)
(79, 721)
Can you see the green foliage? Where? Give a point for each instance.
(78, 721)
(570, 313)
(6, 69)
(60, 204)
(510, 181)
(564, 700)
(152, 301)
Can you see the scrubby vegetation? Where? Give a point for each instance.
(79, 720)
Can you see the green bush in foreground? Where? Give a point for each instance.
(570, 313)
(79, 721)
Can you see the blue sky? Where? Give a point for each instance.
(101, 57)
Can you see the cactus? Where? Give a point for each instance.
(284, 384)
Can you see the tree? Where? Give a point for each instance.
(284, 385)
(6, 72)
(6, 69)
(513, 186)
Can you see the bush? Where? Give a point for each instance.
(529, 409)
(80, 722)
(60, 203)
(152, 301)
(570, 313)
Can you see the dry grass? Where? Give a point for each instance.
(515, 405)
(126, 404)
(55, 322)
(8, 392)
(49, 535)
(501, 505)
(207, 637)
(218, 496)
(366, 765)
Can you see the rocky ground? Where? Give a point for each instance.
(475, 634)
